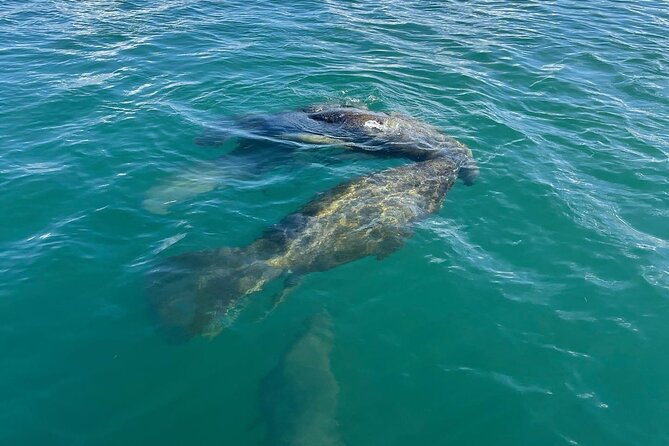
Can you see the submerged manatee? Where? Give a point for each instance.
(380, 134)
(377, 133)
(247, 162)
(299, 396)
(200, 292)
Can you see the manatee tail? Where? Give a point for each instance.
(181, 187)
(247, 160)
(204, 292)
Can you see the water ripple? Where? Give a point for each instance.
(543, 290)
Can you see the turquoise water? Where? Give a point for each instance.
(531, 310)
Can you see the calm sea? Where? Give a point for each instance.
(533, 309)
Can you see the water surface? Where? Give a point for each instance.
(531, 310)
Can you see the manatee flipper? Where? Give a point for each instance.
(289, 285)
(291, 282)
(391, 244)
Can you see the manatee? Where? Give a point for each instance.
(359, 129)
(388, 135)
(202, 292)
(299, 396)
(250, 159)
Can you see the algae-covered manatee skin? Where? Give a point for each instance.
(198, 293)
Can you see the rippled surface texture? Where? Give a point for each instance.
(533, 309)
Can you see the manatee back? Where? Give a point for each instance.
(299, 397)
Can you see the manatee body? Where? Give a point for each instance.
(299, 396)
(377, 133)
(198, 293)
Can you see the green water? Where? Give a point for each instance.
(531, 310)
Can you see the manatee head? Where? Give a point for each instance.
(462, 155)
(469, 170)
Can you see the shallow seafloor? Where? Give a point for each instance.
(532, 309)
